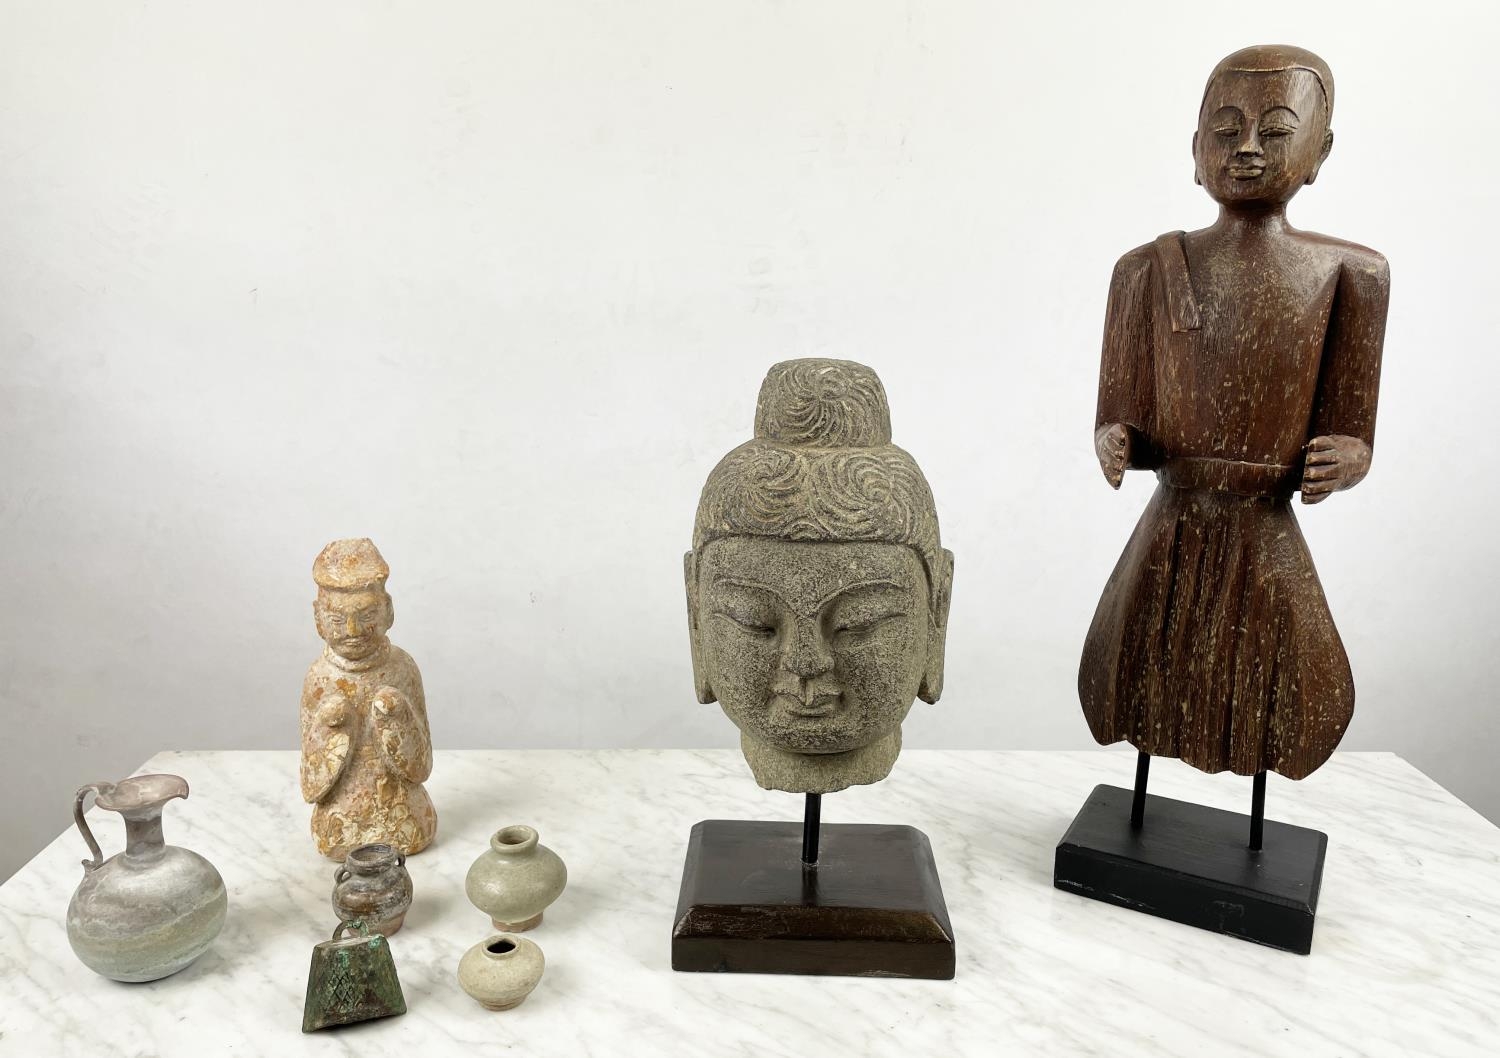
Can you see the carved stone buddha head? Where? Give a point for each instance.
(817, 586)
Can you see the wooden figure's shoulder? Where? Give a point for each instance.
(1350, 256)
(1136, 262)
(1132, 272)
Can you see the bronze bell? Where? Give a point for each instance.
(351, 979)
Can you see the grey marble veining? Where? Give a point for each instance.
(1406, 959)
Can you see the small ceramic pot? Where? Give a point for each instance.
(373, 885)
(501, 970)
(515, 880)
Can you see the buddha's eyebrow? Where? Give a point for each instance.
(1282, 106)
(739, 582)
(857, 586)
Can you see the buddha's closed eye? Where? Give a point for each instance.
(856, 627)
(755, 624)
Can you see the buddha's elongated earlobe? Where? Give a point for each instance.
(701, 685)
(931, 687)
(1197, 172)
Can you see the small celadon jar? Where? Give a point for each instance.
(501, 970)
(516, 879)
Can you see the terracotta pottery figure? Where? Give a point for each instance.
(1241, 364)
(365, 746)
(817, 587)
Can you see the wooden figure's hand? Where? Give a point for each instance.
(1112, 446)
(1334, 462)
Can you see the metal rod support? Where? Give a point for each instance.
(1258, 811)
(1138, 803)
(812, 820)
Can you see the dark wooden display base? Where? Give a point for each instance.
(1191, 864)
(872, 907)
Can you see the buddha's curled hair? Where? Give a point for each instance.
(822, 467)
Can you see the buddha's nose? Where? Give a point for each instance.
(806, 654)
(1250, 142)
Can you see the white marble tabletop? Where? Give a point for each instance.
(1405, 961)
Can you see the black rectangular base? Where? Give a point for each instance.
(872, 907)
(1193, 865)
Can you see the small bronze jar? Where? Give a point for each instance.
(373, 885)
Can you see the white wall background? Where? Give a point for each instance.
(495, 284)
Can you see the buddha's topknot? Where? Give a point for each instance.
(823, 404)
(822, 467)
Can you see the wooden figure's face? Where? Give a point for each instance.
(1261, 136)
(813, 647)
(353, 623)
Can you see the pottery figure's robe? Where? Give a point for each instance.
(1213, 641)
(366, 751)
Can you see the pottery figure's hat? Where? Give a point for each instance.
(1273, 58)
(822, 467)
(350, 565)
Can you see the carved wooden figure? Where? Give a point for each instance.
(1241, 364)
(366, 749)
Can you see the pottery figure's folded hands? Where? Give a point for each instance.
(325, 747)
(404, 741)
(334, 711)
(389, 704)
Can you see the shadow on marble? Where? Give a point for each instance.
(434, 899)
(469, 821)
(1044, 836)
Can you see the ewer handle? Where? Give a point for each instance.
(95, 788)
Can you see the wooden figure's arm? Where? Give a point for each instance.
(1342, 433)
(1126, 374)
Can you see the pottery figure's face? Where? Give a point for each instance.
(1261, 136)
(353, 623)
(812, 647)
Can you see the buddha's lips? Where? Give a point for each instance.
(819, 705)
(1245, 172)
